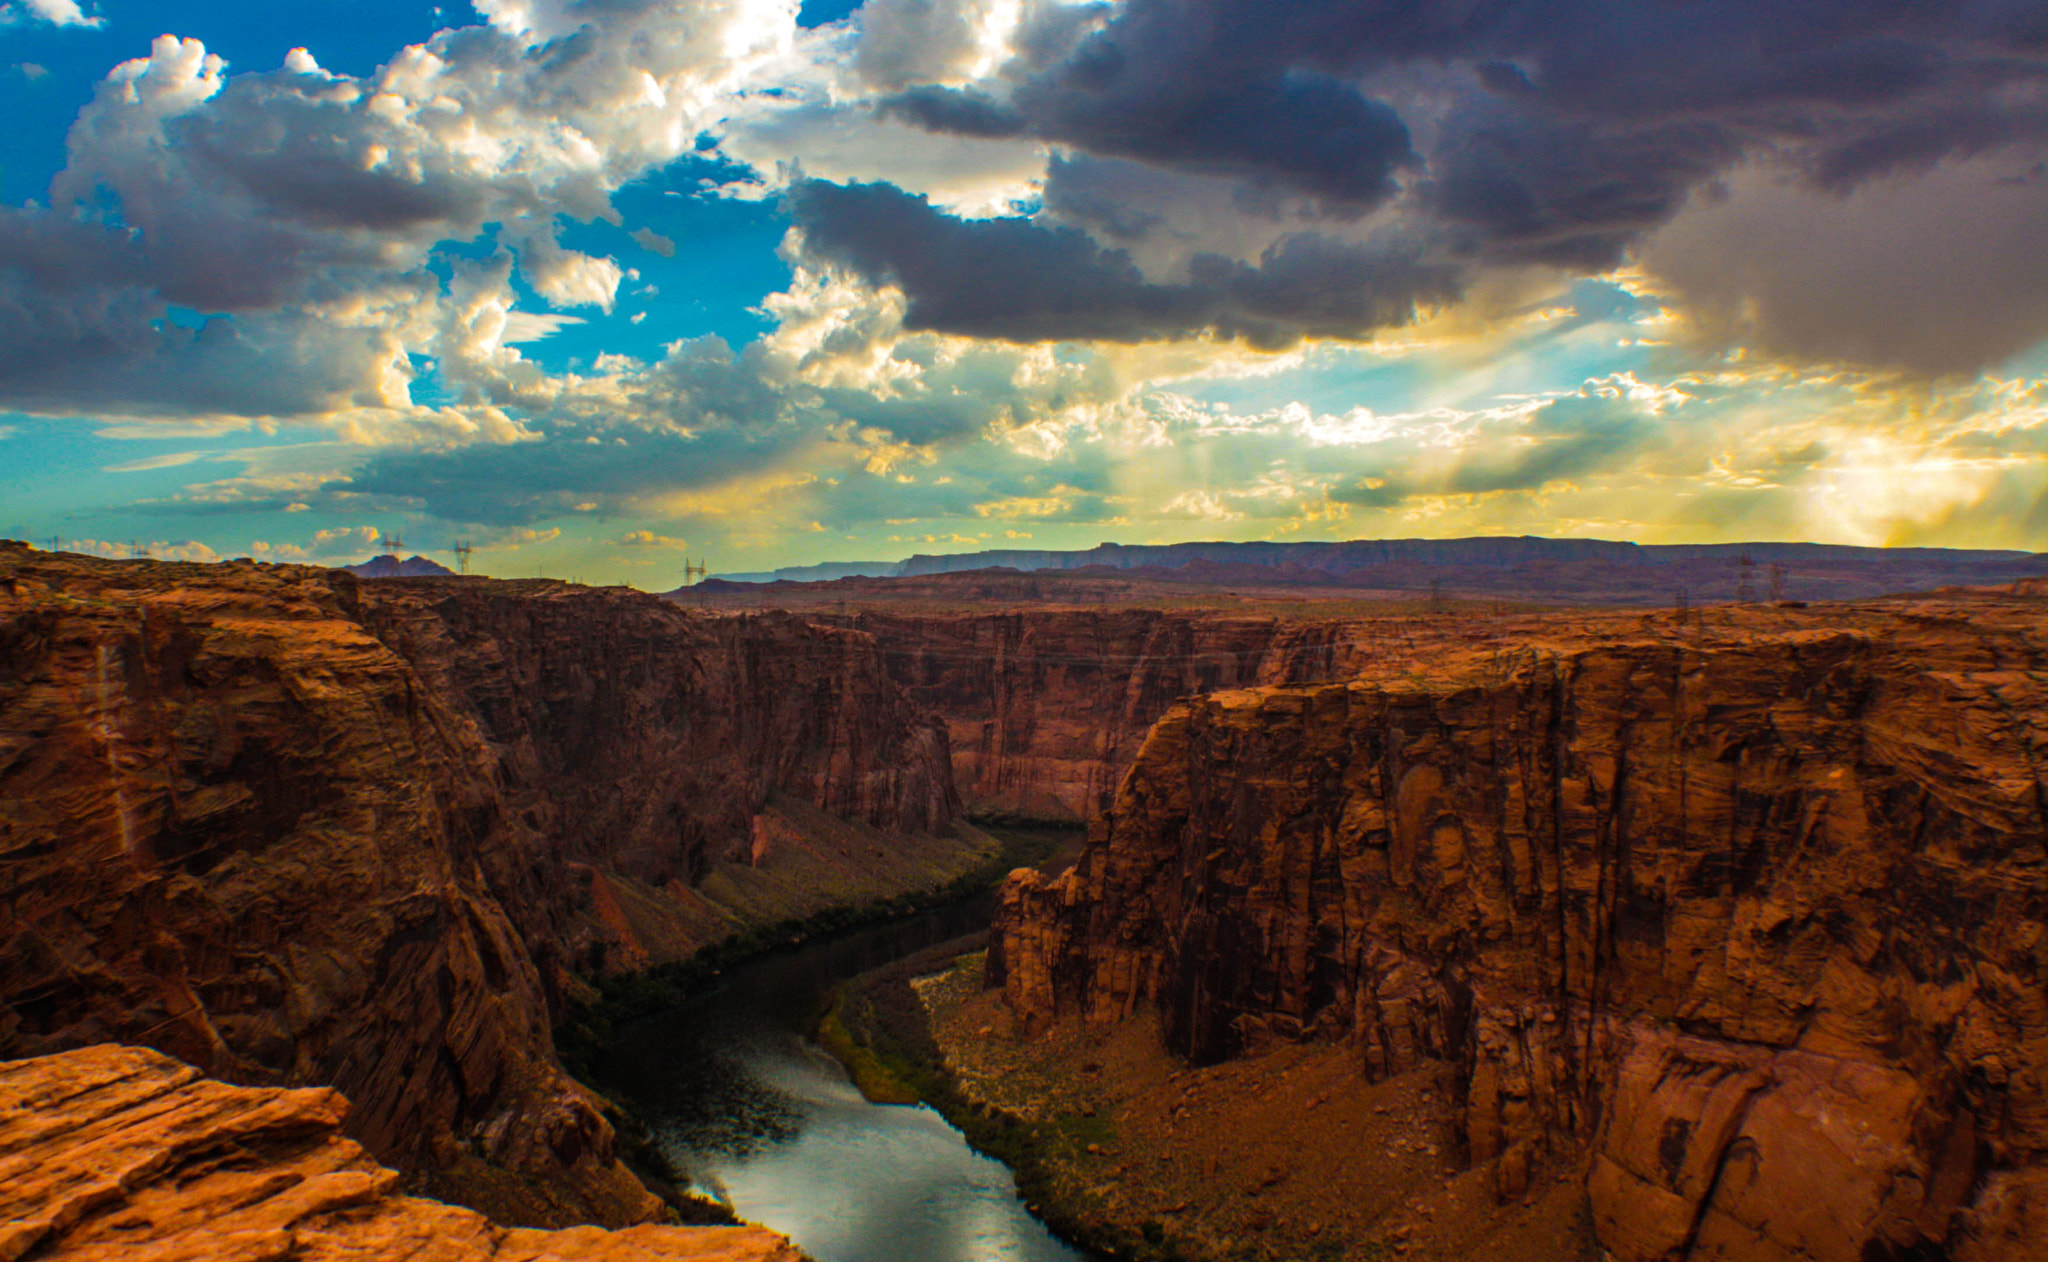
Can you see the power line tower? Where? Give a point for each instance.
(137, 551)
(462, 550)
(56, 544)
(691, 573)
(1777, 583)
(1745, 580)
(394, 543)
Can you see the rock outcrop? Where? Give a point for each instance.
(294, 828)
(113, 1152)
(1750, 920)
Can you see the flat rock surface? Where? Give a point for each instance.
(120, 1153)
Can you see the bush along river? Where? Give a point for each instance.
(742, 1103)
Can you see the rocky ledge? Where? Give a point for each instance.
(1746, 923)
(113, 1152)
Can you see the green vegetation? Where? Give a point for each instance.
(886, 1070)
(582, 1035)
(880, 1012)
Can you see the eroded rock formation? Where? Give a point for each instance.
(1751, 920)
(295, 828)
(1045, 708)
(114, 1152)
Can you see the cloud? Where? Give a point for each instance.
(1940, 271)
(653, 241)
(1015, 279)
(55, 12)
(300, 209)
(169, 460)
(155, 549)
(1513, 135)
(1199, 506)
(533, 326)
(649, 539)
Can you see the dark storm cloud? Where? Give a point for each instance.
(76, 334)
(519, 484)
(956, 110)
(1021, 281)
(1511, 131)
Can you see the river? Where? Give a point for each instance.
(765, 1121)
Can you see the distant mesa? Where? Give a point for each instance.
(823, 573)
(1569, 571)
(388, 566)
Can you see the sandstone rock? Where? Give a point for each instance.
(1751, 917)
(1045, 708)
(113, 1152)
(295, 828)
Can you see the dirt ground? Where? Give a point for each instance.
(1288, 1154)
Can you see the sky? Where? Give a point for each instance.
(600, 286)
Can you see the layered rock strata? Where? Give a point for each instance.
(113, 1152)
(1045, 708)
(295, 828)
(1751, 920)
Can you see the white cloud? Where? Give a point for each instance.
(533, 326)
(169, 460)
(55, 12)
(304, 205)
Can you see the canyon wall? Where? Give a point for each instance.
(1045, 708)
(291, 827)
(1749, 923)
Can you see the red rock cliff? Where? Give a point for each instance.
(1754, 923)
(1046, 708)
(295, 828)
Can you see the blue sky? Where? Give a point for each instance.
(603, 284)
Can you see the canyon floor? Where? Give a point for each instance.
(1282, 1155)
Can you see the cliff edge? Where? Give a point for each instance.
(115, 1152)
(1747, 923)
(294, 828)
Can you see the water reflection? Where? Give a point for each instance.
(770, 1124)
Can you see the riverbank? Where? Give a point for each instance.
(619, 1000)
(1124, 1150)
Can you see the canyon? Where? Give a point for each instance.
(1737, 923)
(291, 828)
(1706, 934)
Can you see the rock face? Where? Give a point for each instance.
(1046, 708)
(1753, 921)
(113, 1152)
(292, 828)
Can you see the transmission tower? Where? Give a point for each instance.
(1777, 583)
(462, 550)
(693, 572)
(394, 543)
(1745, 580)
